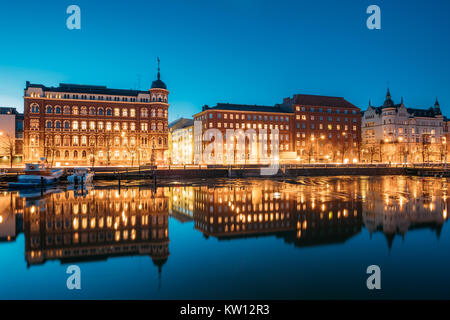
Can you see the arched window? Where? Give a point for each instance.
(159, 99)
(132, 113)
(100, 112)
(108, 112)
(75, 154)
(58, 124)
(160, 126)
(160, 114)
(124, 112)
(153, 113)
(66, 154)
(92, 111)
(83, 111)
(144, 113)
(58, 110)
(159, 141)
(57, 154)
(49, 109)
(66, 110)
(35, 108)
(83, 154)
(48, 124)
(66, 125)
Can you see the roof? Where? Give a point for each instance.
(250, 108)
(319, 101)
(86, 89)
(8, 110)
(181, 123)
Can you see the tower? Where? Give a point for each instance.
(159, 119)
(388, 102)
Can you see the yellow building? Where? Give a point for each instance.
(181, 141)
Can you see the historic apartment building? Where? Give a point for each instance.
(94, 125)
(181, 141)
(11, 136)
(310, 129)
(395, 133)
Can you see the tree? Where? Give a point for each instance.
(425, 147)
(372, 150)
(49, 149)
(8, 147)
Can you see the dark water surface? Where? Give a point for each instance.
(296, 239)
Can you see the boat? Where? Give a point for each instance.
(37, 175)
(2, 173)
(81, 176)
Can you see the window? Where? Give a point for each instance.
(100, 125)
(75, 110)
(132, 113)
(144, 113)
(109, 112)
(48, 124)
(83, 125)
(58, 110)
(132, 126)
(75, 125)
(100, 112)
(108, 126)
(125, 112)
(92, 111)
(75, 140)
(92, 125)
(49, 109)
(58, 124)
(116, 112)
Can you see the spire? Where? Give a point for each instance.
(401, 102)
(436, 104)
(159, 75)
(370, 103)
(388, 102)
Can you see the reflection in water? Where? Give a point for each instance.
(102, 223)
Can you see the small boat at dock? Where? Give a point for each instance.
(81, 176)
(37, 175)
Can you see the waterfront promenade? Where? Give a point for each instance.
(254, 171)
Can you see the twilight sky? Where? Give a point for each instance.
(237, 51)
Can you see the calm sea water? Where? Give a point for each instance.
(303, 238)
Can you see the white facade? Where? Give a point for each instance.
(395, 133)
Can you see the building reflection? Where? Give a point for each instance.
(299, 214)
(73, 226)
(397, 205)
(98, 225)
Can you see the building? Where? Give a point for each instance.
(325, 129)
(181, 141)
(94, 125)
(395, 133)
(303, 129)
(11, 136)
(240, 127)
(100, 224)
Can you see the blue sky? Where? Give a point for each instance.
(237, 51)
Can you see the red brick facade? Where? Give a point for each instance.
(90, 125)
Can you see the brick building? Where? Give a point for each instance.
(310, 129)
(95, 125)
(325, 129)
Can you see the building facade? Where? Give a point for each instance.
(11, 136)
(395, 133)
(181, 141)
(325, 129)
(95, 125)
(303, 129)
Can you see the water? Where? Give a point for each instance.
(303, 238)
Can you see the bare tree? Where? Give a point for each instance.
(49, 149)
(8, 147)
(372, 150)
(425, 147)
